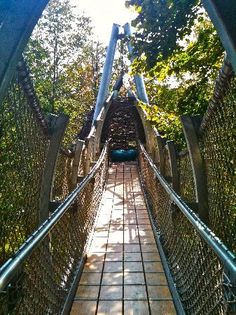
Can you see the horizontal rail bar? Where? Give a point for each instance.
(225, 255)
(9, 269)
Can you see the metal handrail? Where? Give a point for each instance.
(227, 258)
(9, 269)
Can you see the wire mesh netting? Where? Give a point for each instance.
(24, 145)
(44, 282)
(218, 142)
(195, 268)
(23, 152)
(122, 125)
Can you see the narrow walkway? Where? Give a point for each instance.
(123, 273)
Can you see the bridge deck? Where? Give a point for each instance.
(123, 273)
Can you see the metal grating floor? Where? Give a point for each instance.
(123, 273)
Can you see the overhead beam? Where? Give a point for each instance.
(222, 14)
(17, 21)
(107, 71)
(138, 79)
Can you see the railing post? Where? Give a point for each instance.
(58, 125)
(99, 125)
(138, 79)
(191, 126)
(173, 165)
(93, 148)
(161, 158)
(76, 162)
(89, 142)
(151, 140)
(149, 144)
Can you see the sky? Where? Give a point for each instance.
(103, 14)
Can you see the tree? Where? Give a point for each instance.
(65, 62)
(60, 37)
(160, 25)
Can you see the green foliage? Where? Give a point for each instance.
(167, 123)
(78, 96)
(184, 81)
(179, 54)
(160, 24)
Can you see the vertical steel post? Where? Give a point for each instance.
(138, 79)
(58, 125)
(107, 70)
(190, 128)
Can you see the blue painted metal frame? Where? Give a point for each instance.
(138, 79)
(223, 16)
(107, 71)
(17, 24)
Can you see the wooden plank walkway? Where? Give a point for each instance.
(123, 273)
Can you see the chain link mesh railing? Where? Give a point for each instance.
(24, 145)
(43, 282)
(122, 125)
(23, 149)
(196, 269)
(218, 143)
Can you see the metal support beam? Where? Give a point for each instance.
(222, 14)
(191, 127)
(107, 70)
(16, 26)
(138, 79)
(58, 125)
